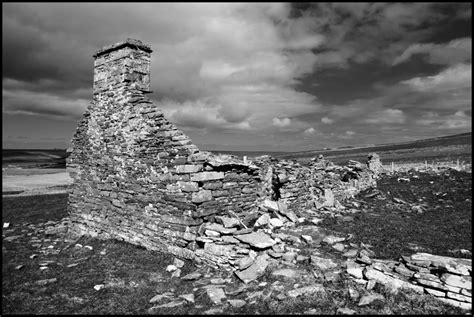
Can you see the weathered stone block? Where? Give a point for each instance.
(258, 240)
(188, 186)
(186, 169)
(255, 270)
(201, 196)
(212, 185)
(458, 297)
(457, 280)
(206, 176)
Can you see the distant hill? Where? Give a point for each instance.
(251, 153)
(451, 147)
(26, 158)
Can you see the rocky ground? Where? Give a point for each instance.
(336, 261)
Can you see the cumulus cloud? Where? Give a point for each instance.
(238, 62)
(457, 120)
(284, 122)
(327, 120)
(425, 105)
(386, 116)
(455, 77)
(224, 71)
(309, 131)
(365, 32)
(453, 52)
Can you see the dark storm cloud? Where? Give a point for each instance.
(363, 32)
(271, 74)
(22, 51)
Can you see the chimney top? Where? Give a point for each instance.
(137, 44)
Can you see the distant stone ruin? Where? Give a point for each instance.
(139, 179)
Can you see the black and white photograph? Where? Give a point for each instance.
(224, 158)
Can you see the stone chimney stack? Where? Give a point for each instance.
(122, 66)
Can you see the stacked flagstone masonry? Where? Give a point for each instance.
(139, 179)
(448, 279)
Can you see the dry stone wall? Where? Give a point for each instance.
(139, 179)
(446, 278)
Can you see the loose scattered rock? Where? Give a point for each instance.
(178, 263)
(171, 268)
(316, 288)
(237, 303)
(322, 263)
(167, 305)
(370, 299)
(289, 273)
(98, 287)
(47, 281)
(187, 297)
(345, 311)
(257, 239)
(216, 295)
(255, 270)
(159, 297)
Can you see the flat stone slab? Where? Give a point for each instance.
(466, 306)
(390, 282)
(370, 298)
(220, 228)
(228, 222)
(283, 209)
(457, 281)
(187, 169)
(216, 294)
(255, 270)
(206, 176)
(330, 239)
(290, 273)
(276, 223)
(450, 264)
(355, 271)
(201, 196)
(270, 205)
(244, 263)
(322, 263)
(258, 240)
(316, 288)
(237, 303)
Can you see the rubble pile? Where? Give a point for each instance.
(448, 279)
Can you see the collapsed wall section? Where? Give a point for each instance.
(136, 176)
(139, 179)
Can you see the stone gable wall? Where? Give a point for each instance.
(139, 179)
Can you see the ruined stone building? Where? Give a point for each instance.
(139, 179)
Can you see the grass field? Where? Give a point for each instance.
(45, 273)
(132, 275)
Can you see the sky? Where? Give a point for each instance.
(248, 76)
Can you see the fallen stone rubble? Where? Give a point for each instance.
(448, 279)
(282, 251)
